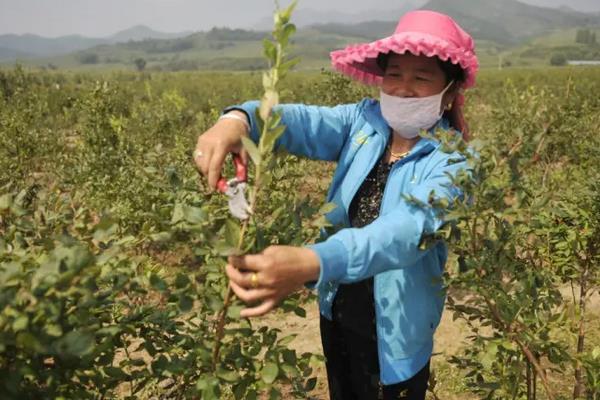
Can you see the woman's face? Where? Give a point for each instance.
(408, 75)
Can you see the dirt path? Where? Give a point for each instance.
(450, 338)
(448, 341)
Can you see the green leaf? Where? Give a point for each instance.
(267, 141)
(251, 394)
(75, 343)
(29, 342)
(288, 31)
(488, 358)
(228, 376)
(311, 384)
(286, 14)
(239, 390)
(290, 371)
(160, 363)
(299, 311)
(234, 312)
(286, 340)
(109, 331)
(225, 250)
(73, 258)
(181, 281)
(6, 201)
(269, 372)
(20, 323)
(209, 387)
(275, 394)
(105, 230)
(53, 330)
(161, 237)
(158, 283)
(115, 372)
(177, 213)
(215, 303)
(288, 65)
(194, 215)
(327, 208)
(270, 50)
(186, 303)
(274, 121)
(289, 357)
(232, 233)
(252, 150)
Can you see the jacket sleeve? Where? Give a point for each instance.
(312, 131)
(392, 240)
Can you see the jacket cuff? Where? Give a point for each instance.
(249, 108)
(333, 259)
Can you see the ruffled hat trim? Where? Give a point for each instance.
(359, 61)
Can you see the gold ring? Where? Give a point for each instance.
(254, 280)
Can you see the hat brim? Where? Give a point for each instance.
(359, 61)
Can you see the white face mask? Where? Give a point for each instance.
(407, 116)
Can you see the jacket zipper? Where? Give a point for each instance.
(375, 280)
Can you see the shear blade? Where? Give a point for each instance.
(238, 205)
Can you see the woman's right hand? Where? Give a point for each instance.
(212, 147)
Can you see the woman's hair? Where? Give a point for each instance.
(453, 72)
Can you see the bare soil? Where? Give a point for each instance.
(450, 338)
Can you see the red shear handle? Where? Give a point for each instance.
(241, 175)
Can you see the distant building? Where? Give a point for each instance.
(583, 62)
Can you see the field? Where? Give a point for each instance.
(111, 248)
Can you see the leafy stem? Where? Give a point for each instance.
(269, 122)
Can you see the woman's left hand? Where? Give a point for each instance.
(265, 279)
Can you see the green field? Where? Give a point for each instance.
(110, 269)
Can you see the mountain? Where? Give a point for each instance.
(31, 46)
(142, 32)
(369, 30)
(506, 22)
(567, 9)
(7, 54)
(508, 28)
(509, 21)
(306, 17)
(579, 5)
(34, 45)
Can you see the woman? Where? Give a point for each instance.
(380, 296)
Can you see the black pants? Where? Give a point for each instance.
(353, 368)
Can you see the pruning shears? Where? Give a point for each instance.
(235, 189)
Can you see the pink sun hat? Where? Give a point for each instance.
(418, 32)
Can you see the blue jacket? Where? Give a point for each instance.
(409, 296)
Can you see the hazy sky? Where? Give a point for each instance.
(97, 18)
